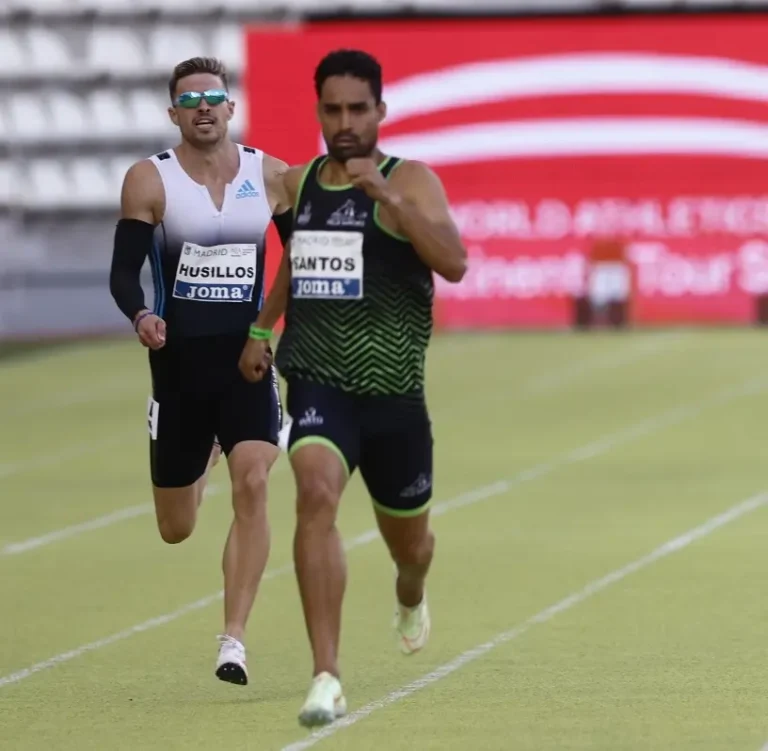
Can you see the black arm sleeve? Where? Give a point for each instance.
(284, 224)
(133, 241)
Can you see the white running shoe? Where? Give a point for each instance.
(413, 626)
(325, 702)
(230, 665)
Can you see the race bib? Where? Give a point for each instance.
(221, 273)
(327, 265)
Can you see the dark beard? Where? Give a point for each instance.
(353, 151)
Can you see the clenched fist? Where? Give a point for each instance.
(151, 330)
(365, 174)
(255, 360)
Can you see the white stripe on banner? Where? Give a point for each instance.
(587, 136)
(575, 75)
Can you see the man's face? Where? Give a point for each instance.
(203, 122)
(349, 117)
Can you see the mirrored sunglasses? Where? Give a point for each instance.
(192, 99)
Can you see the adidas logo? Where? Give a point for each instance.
(246, 190)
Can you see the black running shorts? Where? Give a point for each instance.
(388, 437)
(198, 393)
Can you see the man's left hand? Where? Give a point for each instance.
(365, 174)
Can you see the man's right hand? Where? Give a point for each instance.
(255, 360)
(151, 331)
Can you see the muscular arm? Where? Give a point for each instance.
(279, 201)
(277, 299)
(275, 171)
(141, 207)
(418, 206)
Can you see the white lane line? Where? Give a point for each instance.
(161, 620)
(581, 454)
(552, 379)
(116, 388)
(131, 512)
(476, 495)
(594, 587)
(71, 452)
(607, 443)
(563, 376)
(99, 522)
(32, 543)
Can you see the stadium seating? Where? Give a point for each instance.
(86, 100)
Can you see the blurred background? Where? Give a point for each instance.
(604, 158)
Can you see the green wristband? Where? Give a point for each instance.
(262, 335)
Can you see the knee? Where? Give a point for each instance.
(176, 512)
(415, 551)
(173, 531)
(317, 502)
(249, 492)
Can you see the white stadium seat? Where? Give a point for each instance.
(228, 44)
(13, 59)
(47, 184)
(240, 119)
(259, 6)
(29, 119)
(5, 122)
(6, 181)
(127, 7)
(109, 114)
(114, 50)
(91, 184)
(134, 113)
(49, 53)
(69, 116)
(184, 6)
(170, 44)
(60, 7)
(147, 113)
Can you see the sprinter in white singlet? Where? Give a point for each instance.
(200, 212)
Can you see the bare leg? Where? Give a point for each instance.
(411, 544)
(247, 548)
(176, 508)
(318, 552)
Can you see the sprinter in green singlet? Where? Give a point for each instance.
(369, 231)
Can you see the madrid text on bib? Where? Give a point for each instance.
(220, 273)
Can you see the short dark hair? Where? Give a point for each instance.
(355, 63)
(194, 65)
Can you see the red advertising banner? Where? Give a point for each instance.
(556, 139)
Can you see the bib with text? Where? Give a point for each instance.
(327, 265)
(220, 273)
